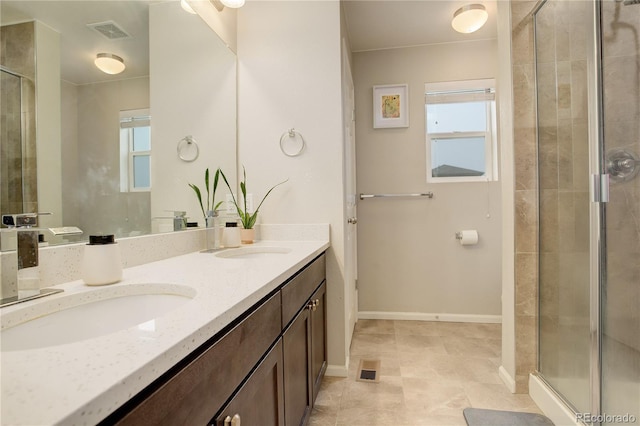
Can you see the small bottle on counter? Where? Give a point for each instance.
(213, 230)
(102, 262)
(231, 235)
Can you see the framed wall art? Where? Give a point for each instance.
(390, 106)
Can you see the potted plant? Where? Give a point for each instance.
(247, 218)
(212, 207)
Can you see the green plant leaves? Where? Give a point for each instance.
(199, 195)
(210, 195)
(248, 220)
(206, 183)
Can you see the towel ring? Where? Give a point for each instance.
(292, 143)
(185, 151)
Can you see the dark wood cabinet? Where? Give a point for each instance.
(296, 293)
(305, 358)
(264, 370)
(260, 400)
(297, 364)
(195, 393)
(318, 338)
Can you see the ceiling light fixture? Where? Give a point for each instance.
(187, 7)
(109, 63)
(469, 18)
(234, 4)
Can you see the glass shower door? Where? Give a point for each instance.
(11, 161)
(563, 185)
(620, 291)
(563, 196)
(589, 253)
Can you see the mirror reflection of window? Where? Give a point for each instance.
(460, 134)
(135, 151)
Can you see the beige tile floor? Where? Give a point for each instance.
(430, 372)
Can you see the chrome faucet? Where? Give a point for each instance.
(27, 276)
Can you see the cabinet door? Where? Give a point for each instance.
(297, 361)
(259, 402)
(318, 338)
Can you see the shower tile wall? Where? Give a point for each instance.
(562, 196)
(18, 143)
(526, 220)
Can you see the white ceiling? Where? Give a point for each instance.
(79, 44)
(372, 25)
(384, 24)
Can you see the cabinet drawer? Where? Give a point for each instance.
(297, 291)
(196, 393)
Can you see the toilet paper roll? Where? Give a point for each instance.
(468, 237)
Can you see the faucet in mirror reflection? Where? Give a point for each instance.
(23, 228)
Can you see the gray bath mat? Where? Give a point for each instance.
(482, 417)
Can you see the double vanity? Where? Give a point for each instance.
(220, 338)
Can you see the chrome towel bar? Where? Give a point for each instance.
(423, 194)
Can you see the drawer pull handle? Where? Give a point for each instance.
(313, 305)
(235, 421)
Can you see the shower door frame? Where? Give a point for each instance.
(598, 194)
(23, 142)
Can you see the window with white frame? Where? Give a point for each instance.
(135, 150)
(461, 131)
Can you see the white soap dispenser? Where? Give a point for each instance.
(231, 235)
(102, 262)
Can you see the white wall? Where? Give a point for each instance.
(202, 105)
(289, 76)
(505, 99)
(224, 23)
(409, 261)
(48, 124)
(69, 145)
(96, 195)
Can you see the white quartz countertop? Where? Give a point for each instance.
(83, 382)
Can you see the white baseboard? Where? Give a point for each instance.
(419, 316)
(336, 370)
(550, 404)
(508, 381)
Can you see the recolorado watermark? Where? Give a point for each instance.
(606, 418)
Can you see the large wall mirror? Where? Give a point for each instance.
(112, 153)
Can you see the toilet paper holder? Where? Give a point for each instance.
(467, 237)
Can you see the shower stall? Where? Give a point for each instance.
(587, 65)
(18, 181)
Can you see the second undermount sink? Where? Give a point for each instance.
(80, 316)
(253, 252)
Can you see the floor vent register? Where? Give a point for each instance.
(368, 371)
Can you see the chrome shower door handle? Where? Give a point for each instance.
(622, 165)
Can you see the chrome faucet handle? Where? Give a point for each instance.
(22, 220)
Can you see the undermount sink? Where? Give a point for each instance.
(253, 252)
(86, 315)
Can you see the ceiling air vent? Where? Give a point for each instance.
(110, 30)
